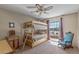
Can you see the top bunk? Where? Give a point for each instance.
(37, 25)
(35, 22)
(39, 22)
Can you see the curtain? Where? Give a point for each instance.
(48, 30)
(61, 28)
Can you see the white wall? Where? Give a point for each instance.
(78, 31)
(6, 17)
(70, 24)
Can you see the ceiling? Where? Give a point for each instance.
(58, 9)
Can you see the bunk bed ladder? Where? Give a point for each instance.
(24, 43)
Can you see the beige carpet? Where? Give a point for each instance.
(47, 48)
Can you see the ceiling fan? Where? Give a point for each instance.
(40, 8)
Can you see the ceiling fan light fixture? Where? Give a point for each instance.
(41, 8)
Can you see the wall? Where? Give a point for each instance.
(78, 30)
(69, 24)
(6, 17)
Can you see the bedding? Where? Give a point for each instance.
(40, 27)
(39, 36)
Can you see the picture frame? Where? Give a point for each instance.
(11, 24)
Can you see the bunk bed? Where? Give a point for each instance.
(36, 31)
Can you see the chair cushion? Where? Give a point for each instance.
(68, 37)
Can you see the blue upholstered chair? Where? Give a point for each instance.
(67, 41)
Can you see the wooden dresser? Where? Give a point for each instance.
(13, 39)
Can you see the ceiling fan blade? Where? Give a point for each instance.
(46, 12)
(48, 8)
(35, 11)
(38, 6)
(31, 6)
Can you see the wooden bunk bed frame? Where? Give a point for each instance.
(32, 32)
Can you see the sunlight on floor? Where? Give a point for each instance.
(54, 41)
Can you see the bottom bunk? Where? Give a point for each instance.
(34, 42)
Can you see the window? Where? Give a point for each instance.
(54, 25)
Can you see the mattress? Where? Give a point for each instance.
(39, 36)
(40, 27)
